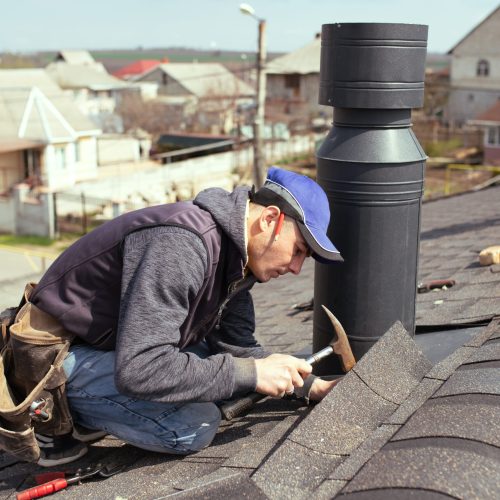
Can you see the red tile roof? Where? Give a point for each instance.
(491, 114)
(138, 67)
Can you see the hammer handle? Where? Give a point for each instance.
(235, 408)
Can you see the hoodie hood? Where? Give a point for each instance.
(229, 211)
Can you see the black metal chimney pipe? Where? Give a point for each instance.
(372, 169)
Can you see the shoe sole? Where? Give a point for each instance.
(87, 438)
(45, 462)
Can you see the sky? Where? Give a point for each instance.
(36, 25)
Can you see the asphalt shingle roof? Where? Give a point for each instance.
(395, 427)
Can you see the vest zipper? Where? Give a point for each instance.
(230, 294)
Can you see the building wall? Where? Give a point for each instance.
(11, 169)
(307, 92)
(24, 215)
(466, 104)
(171, 88)
(491, 155)
(480, 44)
(113, 149)
(7, 215)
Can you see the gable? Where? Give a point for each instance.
(483, 40)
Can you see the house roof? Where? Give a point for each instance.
(136, 68)
(75, 57)
(490, 115)
(78, 76)
(473, 31)
(205, 79)
(27, 78)
(402, 424)
(27, 113)
(302, 61)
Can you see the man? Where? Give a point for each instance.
(158, 301)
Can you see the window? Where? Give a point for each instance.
(292, 81)
(60, 156)
(493, 136)
(77, 151)
(164, 78)
(483, 68)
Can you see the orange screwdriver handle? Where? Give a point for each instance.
(43, 489)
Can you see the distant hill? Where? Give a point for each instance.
(115, 59)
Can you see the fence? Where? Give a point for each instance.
(80, 213)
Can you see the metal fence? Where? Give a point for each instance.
(80, 213)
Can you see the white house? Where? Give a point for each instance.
(44, 138)
(95, 91)
(475, 71)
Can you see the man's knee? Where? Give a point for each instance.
(200, 422)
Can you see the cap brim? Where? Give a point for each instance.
(323, 250)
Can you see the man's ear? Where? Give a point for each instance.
(269, 217)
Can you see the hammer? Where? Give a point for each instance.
(339, 345)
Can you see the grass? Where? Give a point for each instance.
(440, 148)
(39, 241)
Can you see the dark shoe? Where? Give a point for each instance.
(59, 450)
(87, 435)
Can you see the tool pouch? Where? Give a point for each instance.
(32, 373)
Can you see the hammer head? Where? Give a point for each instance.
(340, 343)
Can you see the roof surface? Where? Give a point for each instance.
(77, 76)
(303, 61)
(206, 79)
(396, 426)
(491, 114)
(136, 68)
(20, 115)
(75, 57)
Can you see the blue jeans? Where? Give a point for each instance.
(94, 401)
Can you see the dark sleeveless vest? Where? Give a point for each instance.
(82, 287)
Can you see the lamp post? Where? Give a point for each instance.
(258, 123)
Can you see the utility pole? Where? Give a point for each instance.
(259, 120)
(259, 115)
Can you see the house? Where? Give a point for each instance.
(207, 95)
(137, 68)
(95, 91)
(489, 121)
(417, 418)
(475, 71)
(43, 136)
(293, 83)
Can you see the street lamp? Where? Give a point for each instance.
(258, 123)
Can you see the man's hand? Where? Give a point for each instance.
(279, 374)
(320, 388)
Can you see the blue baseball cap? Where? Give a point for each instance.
(303, 200)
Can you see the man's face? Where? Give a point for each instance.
(268, 258)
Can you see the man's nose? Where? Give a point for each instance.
(296, 264)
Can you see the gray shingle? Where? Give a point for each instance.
(488, 352)
(459, 468)
(293, 471)
(417, 398)
(472, 416)
(344, 419)
(445, 368)
(488, 333)
(351, 465)
(236, 485)
(396, 365)
(252, 455)
(394, 494)
(328, 489)
(478, 381)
